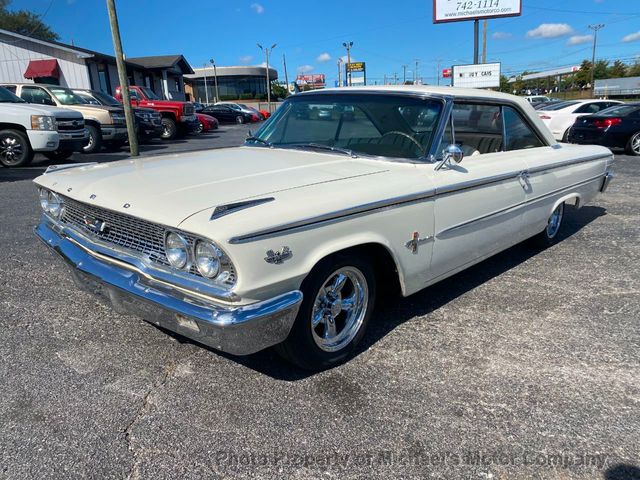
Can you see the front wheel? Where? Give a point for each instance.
(95, 140)
(199, 129)
(15, 150)
(633, 145)
(169, 129)
(339, 297)
(549, 235)
(239, 119)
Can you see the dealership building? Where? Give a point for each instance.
(234, 83)
(30, 60)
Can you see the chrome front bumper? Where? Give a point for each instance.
(236, 329)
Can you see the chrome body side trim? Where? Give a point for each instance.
(478, 182)
(512, 208)
(58, 168)
(566, 163)
(236, 329)
(337, 215)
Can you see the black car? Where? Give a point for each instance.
(148, 121)
(614, 127)
(226, 114)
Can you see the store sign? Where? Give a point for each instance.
(484, 75)
(314, 80)
(459, 10)
(446, 73)
(355, 67)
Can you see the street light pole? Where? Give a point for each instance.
(404, 74)
(266, 51)
(122, 77)
(595, 29)
(348, 46)
(339, 72)
(206, 92)
(215, 79)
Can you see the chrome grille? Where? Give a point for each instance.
(70, 125)
(126, 231)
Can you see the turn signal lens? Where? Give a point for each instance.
(176, 249)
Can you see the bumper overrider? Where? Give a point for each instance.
(133, 289)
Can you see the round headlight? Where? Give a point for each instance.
(207, 259)
(176, 250)
(44, 199)
(55, 205)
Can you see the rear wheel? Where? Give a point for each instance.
(15, 150)
(95, 140)
(339, 297)
(200, 128)
(633, 145)
(565, 137)
(239, 119)
(169, 129)
(549, 235)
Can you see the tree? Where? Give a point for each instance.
(504, 84)
(634, 70)
(617, 70)
(25, 23)
(278, 91)
(602, 69)
(583, 76)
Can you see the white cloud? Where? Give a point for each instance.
(344, 59)
(579, 39)
(550, 30)
(632, 37)
(323, 57)
(501, 36)
(256, 7)
(302, 69)
(263, 65)
(246, 59)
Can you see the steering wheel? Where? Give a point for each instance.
(403, 134)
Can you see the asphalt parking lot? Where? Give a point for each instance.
(524, 366)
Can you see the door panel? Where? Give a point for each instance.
(477, 209)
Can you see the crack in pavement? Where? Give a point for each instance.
(142, 412)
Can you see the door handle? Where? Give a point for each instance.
(523, 178)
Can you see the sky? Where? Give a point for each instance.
(385, 34)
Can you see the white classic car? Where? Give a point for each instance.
(286, 240)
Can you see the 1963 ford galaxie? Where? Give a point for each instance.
(341, 194)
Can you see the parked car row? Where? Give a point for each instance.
(58, 121)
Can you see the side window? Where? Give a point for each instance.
(519, 134)
(477, 128)
(36, 95)
(11, 88)
(589, 108)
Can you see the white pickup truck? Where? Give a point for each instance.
(26, 129)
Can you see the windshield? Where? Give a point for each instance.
(372, 124)
(618, 111)
(105, 99)
(149, 94)
(7, 97)
(66, 96)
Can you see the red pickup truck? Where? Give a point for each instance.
(177, 117)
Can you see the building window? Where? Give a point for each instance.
(103, 78)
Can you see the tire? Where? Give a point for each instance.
(549, 235)
(633, 145)
(239, 119)
(565, 137)
(15, 149)
(200, 128)
(58, 155)
(169, 129)
(95, 140)
(320, 347)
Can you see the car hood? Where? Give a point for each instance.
(168, 189)
(34, 109)
(165, 103)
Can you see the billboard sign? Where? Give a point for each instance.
(356, 67)
(459, 10)
(483, 75)
(316, 80)
(446, 73)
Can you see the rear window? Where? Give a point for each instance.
(559, 106)
(619, 111)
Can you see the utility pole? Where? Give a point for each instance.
(122, 77)
(438, 71)
(415, 73)
(215, 79)
(339, 72)
(348, 46)
(484, 41)
(404, 74)
(206, 92)
(395, 78)
(595, 29)
(286, 76)
(266, 51)
(385, 79)
(476, 34)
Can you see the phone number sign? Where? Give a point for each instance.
(459, 10)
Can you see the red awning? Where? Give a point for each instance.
(42, 68)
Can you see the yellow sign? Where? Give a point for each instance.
(355, 67)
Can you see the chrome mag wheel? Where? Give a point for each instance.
(339, 309)
(11, 150)
(635, 143)
(555, 220)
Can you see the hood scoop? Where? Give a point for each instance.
(222, 210)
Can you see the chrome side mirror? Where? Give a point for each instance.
(452, 153)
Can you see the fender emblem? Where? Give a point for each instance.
(416, 241)
(94, 224)
(278, 256)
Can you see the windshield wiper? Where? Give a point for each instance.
(320, 146)
(258, 140)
